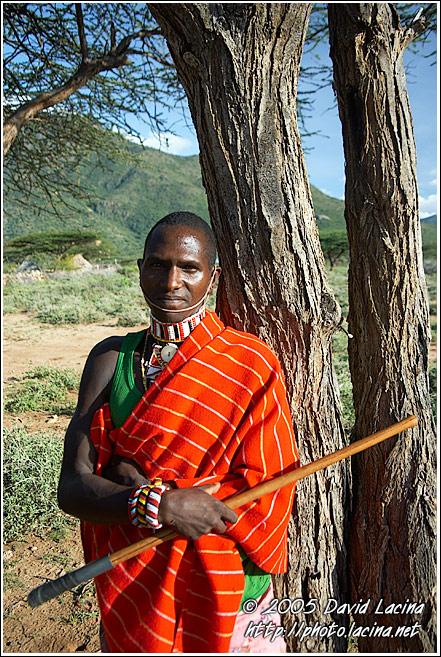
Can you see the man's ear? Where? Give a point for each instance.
(139, 261)
(215, 277)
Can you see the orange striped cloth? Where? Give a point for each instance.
(218, 412)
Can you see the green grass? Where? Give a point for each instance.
(341, 367)
(31, 468)
(81, 299)
(78, 299)
(432, 288)
(12, 581)
(62, 559)
(433, 375)
(338, 281)
(44, 389)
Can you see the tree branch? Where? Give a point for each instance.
(81, 33)
(84, 73)
(419, 25)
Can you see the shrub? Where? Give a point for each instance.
(77, 299)
(31, 468)
(133, 317)
(44, 389)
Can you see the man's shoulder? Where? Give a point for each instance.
(112, 343)
(250, 346)
(115, 342)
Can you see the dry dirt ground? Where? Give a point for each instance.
(69, 623)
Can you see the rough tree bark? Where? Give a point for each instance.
(239, 65)
(392, 553)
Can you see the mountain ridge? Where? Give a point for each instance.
(130, 196)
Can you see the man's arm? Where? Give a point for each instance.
(81, 493)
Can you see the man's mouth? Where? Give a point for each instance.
(170, 299)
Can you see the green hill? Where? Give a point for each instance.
(429, 235)
(429, 220)
(329, 211)
(129, 197)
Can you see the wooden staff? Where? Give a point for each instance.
(53, 588)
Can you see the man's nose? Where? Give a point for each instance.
(173, 278)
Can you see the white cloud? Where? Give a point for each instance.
(165, 142)
(169, 143)
(428, 205)
(332, 194)
(173, 144)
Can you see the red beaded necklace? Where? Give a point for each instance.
(173, 336)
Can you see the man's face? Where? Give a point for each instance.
(175, 273)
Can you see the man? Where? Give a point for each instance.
(169, 422)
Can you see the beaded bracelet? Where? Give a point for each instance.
(144, 503)
(151, 507)
(133, 503)
(140, 505)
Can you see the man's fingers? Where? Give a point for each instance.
(211, 489)
(229, 515)
(220, 527)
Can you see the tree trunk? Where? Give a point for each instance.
(239, 65)
(392, 552)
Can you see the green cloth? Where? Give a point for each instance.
(257, 580)
(123, 399)
(125, 395)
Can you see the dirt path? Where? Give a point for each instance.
(67, 624)
(27, 343)
(70, 623)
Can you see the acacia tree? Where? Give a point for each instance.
(53, 50)
(334, 244)
(57, 244)
(72, 72)
(392, 553)
(239, 65)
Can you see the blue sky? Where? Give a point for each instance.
(324, 152)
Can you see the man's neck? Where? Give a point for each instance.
(175, 331)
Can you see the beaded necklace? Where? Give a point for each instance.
(178, 331)
(173, 336)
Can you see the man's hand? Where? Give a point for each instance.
(194, 511)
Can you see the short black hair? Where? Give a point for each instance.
(189, 220)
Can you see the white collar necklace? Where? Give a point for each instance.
(165, 332)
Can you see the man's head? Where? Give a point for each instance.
(178, 269)
(188, 220)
